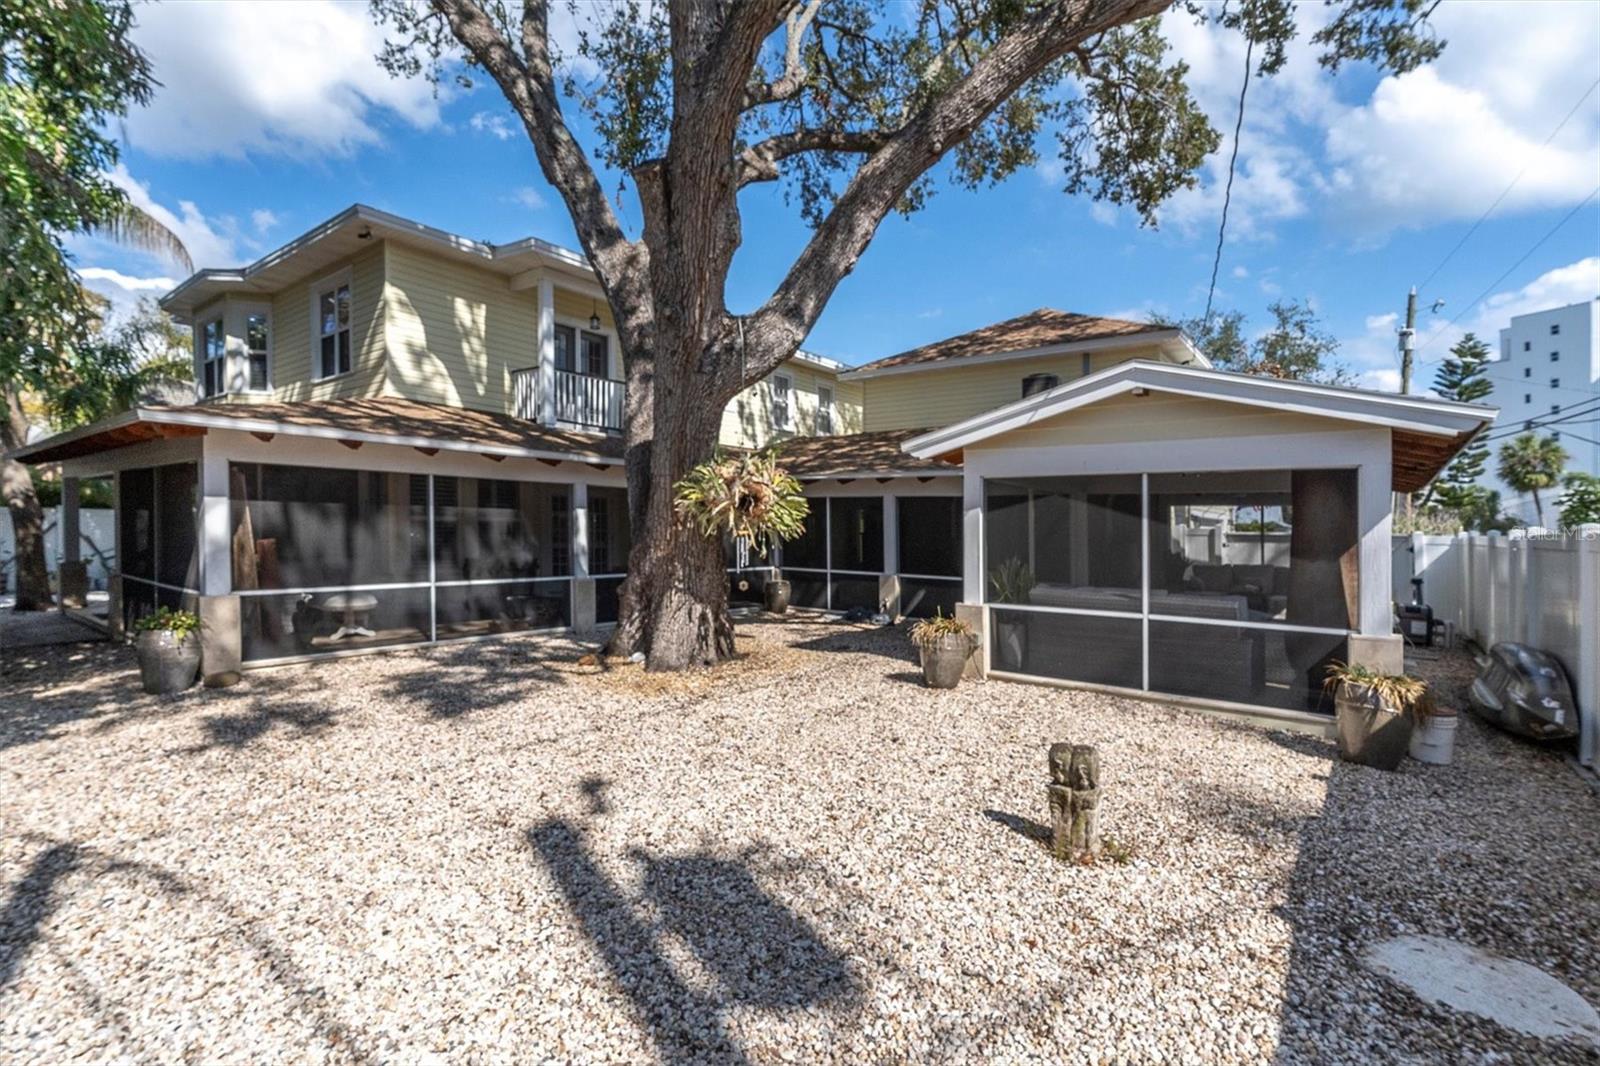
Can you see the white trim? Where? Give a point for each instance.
(204, 357)
(1256, 714)
(319, 590)
(339, 279)
(1155, 337)
(158, 584)
(929, 577)
(1434, 417)
(476, 581)
(246, 310)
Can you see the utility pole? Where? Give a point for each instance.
(1408, 342)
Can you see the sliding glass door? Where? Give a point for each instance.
(1238, 586)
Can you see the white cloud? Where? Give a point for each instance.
(494, 125)
(241, 77)
(1103, 213)
(263, 220)
(1241, 272)
(124, 291)
(527, 196)
(1435, 145)
(211, 243)
(1577, 282)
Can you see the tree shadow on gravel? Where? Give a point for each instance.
(459, 680)
(1499, 850)
(760, 953)
(45, 689)
(47, 885)
(238, 731)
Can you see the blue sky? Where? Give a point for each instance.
(1350, 189)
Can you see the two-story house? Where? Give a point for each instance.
(404, 436)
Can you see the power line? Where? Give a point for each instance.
(1580, 411)
(1520, 260)
(1227, 192)
(1507, 190)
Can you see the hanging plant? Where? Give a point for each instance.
(749, 496)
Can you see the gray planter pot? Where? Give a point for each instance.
(943, 663)
(1370, 733)
(778, 596)
(167, 663)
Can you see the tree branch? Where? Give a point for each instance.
(788, 84)
(760, 161)
(528, 82)
(777, 329)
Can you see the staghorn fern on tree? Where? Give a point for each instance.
(748, 496)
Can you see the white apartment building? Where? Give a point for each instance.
(1547, 379)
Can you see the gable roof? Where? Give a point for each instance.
(375, 420)
(1045, 331)
(1427, 432)
(875, 454)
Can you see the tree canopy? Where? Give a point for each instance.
(1531, 463)
(852, 105)
(1463, 377)
(1294, 346)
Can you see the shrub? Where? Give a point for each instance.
(930, 631)
(179, 623)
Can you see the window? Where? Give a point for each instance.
(1555, 408)
(1527, 346)
(824, 411)
(1527, 371)
(1555, 383)
(566, 348)
(213, 352)
(256, 350)
(610, 538)
(333, 327)
(930, 535)
(596, 354)
(1555, 329)
(1555, 357)
(782, 386)
(1527, 397)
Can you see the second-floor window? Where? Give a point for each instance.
(596, 354)
(824, 410)
(333, 320)
(257, 352)
(782, 401)
(566, 348)
(213, 355)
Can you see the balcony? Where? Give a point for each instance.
(580, 401)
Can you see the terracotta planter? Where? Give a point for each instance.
(167, 663)
(778, 596)
(1370, 733)
(944, 662)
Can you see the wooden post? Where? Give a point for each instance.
(1074, 794)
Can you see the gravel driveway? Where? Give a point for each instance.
(489, 852)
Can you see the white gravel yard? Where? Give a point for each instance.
(490, 853)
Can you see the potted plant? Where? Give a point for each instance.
(168, 646)
(1012, 581)
(751, 498)
(1374, 713)
(944, 643)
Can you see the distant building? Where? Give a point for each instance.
(1549, 370)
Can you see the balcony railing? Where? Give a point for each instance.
(580, 400)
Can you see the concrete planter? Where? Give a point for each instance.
(1370, 733)
(167, 663)
(778, 596)
(944, 662)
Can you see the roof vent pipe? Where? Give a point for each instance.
(1038, 383)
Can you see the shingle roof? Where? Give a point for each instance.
(857, 454)
(1036, 329)
(408, 421)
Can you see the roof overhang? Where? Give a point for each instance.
(156, 423)
(1171, 342)
(1427, 432)
(352, 231)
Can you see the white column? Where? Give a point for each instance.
(580, 529)
(547, 352)
(71, 542)
(1374, 518)
(891, 534)
(216, 554)
(972, 537)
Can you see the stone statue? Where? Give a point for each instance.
(1074, 793)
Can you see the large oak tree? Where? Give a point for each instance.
(853, 104)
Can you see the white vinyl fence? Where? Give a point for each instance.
(1542, 590)
(97, 544)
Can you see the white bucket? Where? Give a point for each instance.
(1434, 739)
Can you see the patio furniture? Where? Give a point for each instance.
(355, 609)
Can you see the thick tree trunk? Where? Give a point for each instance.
(674, 603)
(27, 516)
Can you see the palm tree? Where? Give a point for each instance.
(1530, 463)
